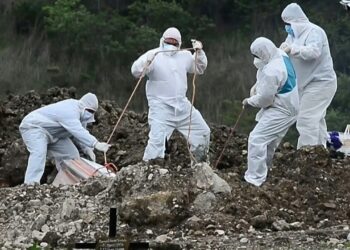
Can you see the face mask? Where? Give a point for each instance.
(170, 47)
(258, 63)
(289, 29)
(87, 117)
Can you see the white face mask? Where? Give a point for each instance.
(258, 63)
(87, 117)
(170, 47)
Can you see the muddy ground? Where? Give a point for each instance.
(303, 205)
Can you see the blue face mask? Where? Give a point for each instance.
(289, 29)
(170, 47)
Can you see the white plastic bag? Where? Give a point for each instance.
(345, 139)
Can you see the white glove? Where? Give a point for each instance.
(90, 153)
(196, 44)
(245, 102)
(150, 56)
(285, 47)
(253, 90)
(102, 146)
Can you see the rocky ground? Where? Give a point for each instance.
(303, 205)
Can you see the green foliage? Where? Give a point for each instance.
(29, 15)
(105, 35)
(35, 246)
(341, 99)
(161, 14)
(338, 115)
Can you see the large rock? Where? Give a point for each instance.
(154, 209)
(208, 180)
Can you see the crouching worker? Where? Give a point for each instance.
(166, 89)
(50, 130)
(276, 93)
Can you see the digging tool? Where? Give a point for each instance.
(111, 165)
(192, 102)
(229, 137)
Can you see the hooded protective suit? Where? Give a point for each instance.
(277, 96)
(47, 130)
(317, 82)
(166, 89)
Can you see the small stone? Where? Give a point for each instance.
(219, 232)
(280, 225)
(162, 238)
(149, 232)
(348, 237)
(150, 177)
(43, 244)
(34, 203)
(244, 240)
(163, 171)
(198, 233)
(38, 235)
(333, 241)
(309, 239)
(296, 225)
(45, 228)
(210, 227)
(329, 205)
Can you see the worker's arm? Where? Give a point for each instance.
(267, 87)
(199, 64)
(144, 64)
(312, 48)
(76, 129)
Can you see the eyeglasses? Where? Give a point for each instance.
(171, 41)
(91, 111)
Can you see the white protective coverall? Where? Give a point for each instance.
(317, 82)
(169, 107)
(48, 130)
(277, 96)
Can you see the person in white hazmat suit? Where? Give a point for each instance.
(166, 89)
(276, 93)
(51, 130)
(307, 46)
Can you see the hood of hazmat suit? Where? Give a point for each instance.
(310, 52)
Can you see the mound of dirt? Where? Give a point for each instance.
(128, 141)
(304, 203)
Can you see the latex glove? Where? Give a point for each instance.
(90, 153)
(285, 47)
(253, 90)
(245, 102)
(150, 56)
(102, 146)
(197, 45)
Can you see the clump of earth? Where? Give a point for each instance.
(304, 203)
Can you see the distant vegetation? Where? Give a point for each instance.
(91, 44)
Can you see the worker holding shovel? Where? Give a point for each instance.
(166, 68)
(276, 93)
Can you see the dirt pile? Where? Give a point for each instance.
(304, 204)
(128, 141)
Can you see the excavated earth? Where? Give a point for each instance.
(304, 203)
